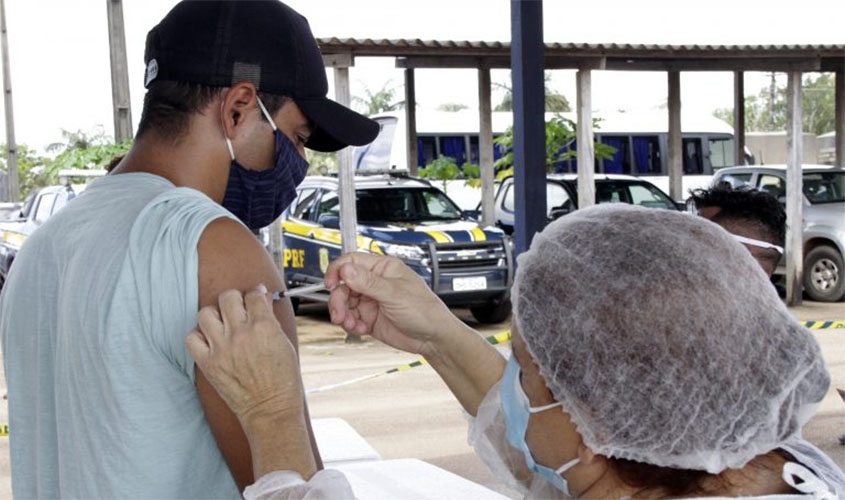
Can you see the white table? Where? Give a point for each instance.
(339, 443)
(410, 479)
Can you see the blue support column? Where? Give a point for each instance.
(529, 131)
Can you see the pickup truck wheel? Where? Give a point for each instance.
(492, 312)
(824, 274)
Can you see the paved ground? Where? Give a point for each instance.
(412, 414)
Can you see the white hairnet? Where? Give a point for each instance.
(663, 339)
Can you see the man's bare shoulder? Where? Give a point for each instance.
(230, 256)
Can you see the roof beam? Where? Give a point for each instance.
(705, 64)
(627, 63)
(496, 62)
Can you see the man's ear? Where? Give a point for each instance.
(237, 100)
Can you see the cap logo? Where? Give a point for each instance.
(152, 72)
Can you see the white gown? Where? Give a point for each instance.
(817, 476)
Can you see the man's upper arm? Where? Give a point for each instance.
(230, 257)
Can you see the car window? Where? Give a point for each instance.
(404, 205)
(736, 180)
(508, 203)
(692, 156)
(648, 196)
(61, 201)
(824, 187)
(721, 151)
(556, 197)
(439, 206)
(647, 154)
(610, 192)
(771, 184)
(45, 207)
(305, 204)
(329, 204)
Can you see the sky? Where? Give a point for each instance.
(61, 79)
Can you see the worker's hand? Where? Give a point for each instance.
(382, 297)
(243, 352)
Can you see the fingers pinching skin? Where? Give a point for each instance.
(257, 305)
(232, 309)
(197, 347)
(211, 324)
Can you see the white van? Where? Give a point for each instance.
(640, 140)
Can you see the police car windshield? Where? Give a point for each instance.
(405, 205)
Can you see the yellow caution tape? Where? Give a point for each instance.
(823, 325)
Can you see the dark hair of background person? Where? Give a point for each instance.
(747, 205)
(169, 105)
(684, 482)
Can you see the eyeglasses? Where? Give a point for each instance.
(757, 243)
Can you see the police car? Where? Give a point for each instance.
(407, 218)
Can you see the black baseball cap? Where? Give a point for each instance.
(222, 42)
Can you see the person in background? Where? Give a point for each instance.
(755, 218)
(655, 363)
(104, 400)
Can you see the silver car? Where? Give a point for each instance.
(824, 221)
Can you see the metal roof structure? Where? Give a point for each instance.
(416, 53)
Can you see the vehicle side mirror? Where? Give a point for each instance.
(329, 221)
(558, 212)
(471, 214)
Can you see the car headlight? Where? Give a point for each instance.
(405, 252)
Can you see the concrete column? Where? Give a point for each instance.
(739, 117)
(675, 163)
(485, 147)
(119, 72)
(584, 133)
(529, 144)
(794, 191)
(346, 172)
(411, 121)
(840, 119)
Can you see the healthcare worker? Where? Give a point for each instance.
(650, 359)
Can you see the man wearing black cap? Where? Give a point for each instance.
(104, 400)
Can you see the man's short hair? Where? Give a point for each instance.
(745, 204)
(169, 105)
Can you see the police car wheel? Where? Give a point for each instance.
(294, 302)
(492, 312)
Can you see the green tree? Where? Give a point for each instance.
(32, 171)
(560, 137)
(83, 150)
(452, 106)
(379, 101)
(442, 169)
(320, 163)
(766, 112)
(555, 101)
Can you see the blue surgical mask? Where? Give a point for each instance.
(517, 410)
(256, 197)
